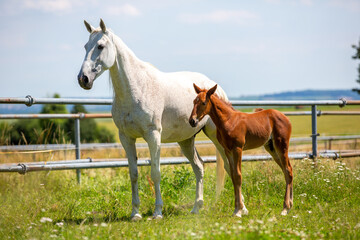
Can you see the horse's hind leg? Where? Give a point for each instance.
(190, 152)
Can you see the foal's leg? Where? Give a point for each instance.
(235, 168)
(130, 149)
(153, 138)
(279, 151)
(197, 164)
(221, 164)
(288, 173)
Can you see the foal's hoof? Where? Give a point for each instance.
(285, 212)
(238, 214)
(136, 217)
(244, 211)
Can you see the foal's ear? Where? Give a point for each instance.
(197, 89)
(211, 91)
(102, 26)
(89, 27)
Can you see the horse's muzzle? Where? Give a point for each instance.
(84, 81)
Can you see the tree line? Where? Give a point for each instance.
(53, 131)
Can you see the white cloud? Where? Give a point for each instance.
(221, 16)
(306, 2)
(351, 5)
(48, 5)
(126, 9)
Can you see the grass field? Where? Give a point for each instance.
(50, 205)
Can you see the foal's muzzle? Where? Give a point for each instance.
(193, 122)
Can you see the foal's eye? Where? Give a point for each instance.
(203, 103)
(100, 47)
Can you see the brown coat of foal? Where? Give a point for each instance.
(238, 131)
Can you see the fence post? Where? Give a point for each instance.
(77, 147)
(314, 133)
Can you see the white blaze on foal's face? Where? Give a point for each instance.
(100, 55)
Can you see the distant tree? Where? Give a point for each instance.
(54, 128)
(89, 130)
(357, 57)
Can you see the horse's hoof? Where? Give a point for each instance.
(195, 210)
(285, 212)
(155, 217)
(136, 217)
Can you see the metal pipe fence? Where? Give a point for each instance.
(33, 148)
(89, 163)
(29, 101)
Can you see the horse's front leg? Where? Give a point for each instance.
(130, 149)
(153, 138)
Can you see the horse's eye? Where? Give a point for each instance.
(204, 103)
(100, 47)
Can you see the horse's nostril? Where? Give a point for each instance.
(85, 79)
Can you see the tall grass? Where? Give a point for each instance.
(51, 205)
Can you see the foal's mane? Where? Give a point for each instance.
(223, 101)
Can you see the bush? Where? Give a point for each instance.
(53, 131)
(89, 130)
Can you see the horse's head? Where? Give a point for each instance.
(202, 104)
(100, 55)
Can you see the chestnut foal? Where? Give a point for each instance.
(238, 131)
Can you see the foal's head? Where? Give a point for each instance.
(100, 55)
(202, 104)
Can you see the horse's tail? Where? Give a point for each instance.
(220, 173)
(220, 170)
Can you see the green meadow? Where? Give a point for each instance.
(51, 205)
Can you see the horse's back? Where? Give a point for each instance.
(179, 95)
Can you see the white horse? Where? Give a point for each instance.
(150, 104)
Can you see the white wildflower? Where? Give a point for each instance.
(45, 219)
(60, 224)
(103, 224)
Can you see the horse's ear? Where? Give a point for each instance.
(89, 27)
(211, 91)
(197, 89)
(102, 26)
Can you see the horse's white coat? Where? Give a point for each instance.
(148, 103)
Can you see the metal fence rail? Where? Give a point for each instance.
(29, 101)
(94, 146)
(89, 163)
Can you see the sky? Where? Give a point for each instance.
(248, 47)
